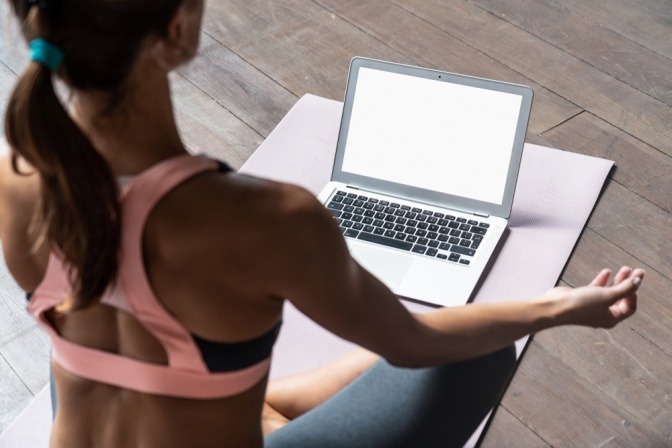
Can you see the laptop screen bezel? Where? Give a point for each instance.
(420, 194)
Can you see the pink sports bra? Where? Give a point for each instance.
(187, 374)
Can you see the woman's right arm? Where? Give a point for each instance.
(313, 269)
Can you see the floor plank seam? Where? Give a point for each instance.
(644, 5)
(560, 5)
(527, 426)
(249, 63)
(220, 104)
(8, 67)
(541, 134)
(564, 51)
(17, 374)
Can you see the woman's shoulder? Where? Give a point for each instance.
(230, 210)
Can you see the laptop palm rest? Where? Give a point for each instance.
(390, 268)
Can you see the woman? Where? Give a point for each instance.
(161, 277)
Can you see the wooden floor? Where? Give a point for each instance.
(602, 76)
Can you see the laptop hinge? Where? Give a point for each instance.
(352, 187)
(482, 215)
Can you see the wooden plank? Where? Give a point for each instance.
(619, 57)
(639, 167)
(635, 225)
(664, 8)
(207, 127)
(594, 252)
(506, 431)
(639, 24)
(247, 93)
(478, 25)
(558, 405)
(14, 397)
(432, 47)
(623, 366)
(300, 44)
(29, 357)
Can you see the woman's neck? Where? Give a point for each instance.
(137, 133)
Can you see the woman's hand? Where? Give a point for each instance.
(599, 304)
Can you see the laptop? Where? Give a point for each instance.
(424, 175)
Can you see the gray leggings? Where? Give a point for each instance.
(388, 407)
(393, 407)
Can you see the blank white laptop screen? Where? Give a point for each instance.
(431, 134)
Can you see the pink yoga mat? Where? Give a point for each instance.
(555, 194)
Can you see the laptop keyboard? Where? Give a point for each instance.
(413, 229)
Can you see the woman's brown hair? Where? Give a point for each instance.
(78, 213)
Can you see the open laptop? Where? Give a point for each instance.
(424, 175)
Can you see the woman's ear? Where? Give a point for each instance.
(180, 43)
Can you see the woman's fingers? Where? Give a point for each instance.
(622, 274)
(601, 278)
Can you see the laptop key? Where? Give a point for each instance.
(472, 222)
(443, 222)
(465, 227)
(475, 244)
(349, 208)
(431, 252)
(368, 220)
(412, 223)
(340, 193)
(378, 222)
(418, 249)
(347, 224)
(454, 240)
(337, 199)
(335, 206)
(433, 243)
(390, 218)
(411, 238)
(368, 228)
(416, 210)
(453, 224)
(443, 238)
(390, 233)
(454, 257)
(395, 205)
(391, 242)
(477, 237)
(359, 211)
(384, 203)
(369, 205)
(442, 256)
(421, 233)
(443, 230)
(400, 213)
(485, 225)
(379, 208)
(433, 228)
(467, 235)
(432, 220)
(423, 241)
(465, 243)
(389, 225)
(444, 246)
(479, 230)
(401, 220)
(336, 213)
(379, 231)
(369, 213)
(463, 261)
(432, 235)
(461, 220)
(409, 230)
(375, 201)
(357, 218)
(347, 216)
(421, 218)
(462, 250)
(405, 207)
(348, 201)
(411, 215)
(451, 217)
(358, 226)
(358, 203)
(399, 228)
(351, 233)
(362, 198)
(422, 225)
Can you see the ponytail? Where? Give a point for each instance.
(78, 213)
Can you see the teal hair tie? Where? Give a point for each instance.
(45, 53)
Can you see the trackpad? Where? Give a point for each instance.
(388, 267)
